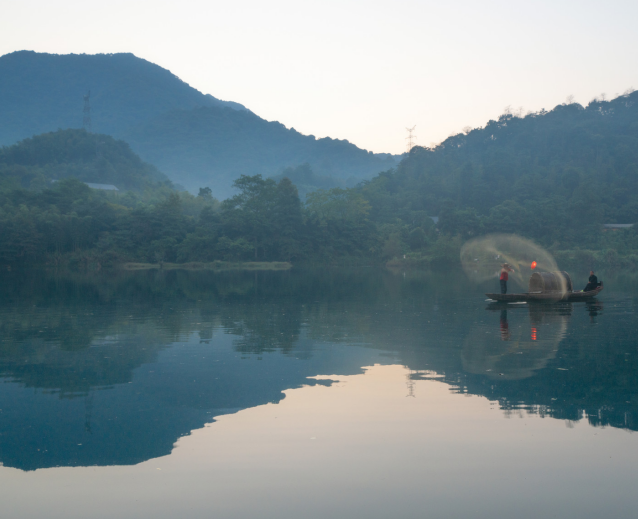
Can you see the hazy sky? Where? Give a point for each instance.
(361, 71)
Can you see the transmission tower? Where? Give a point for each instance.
(87, 112)
(411, 138)
(410, 382)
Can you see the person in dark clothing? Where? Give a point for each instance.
(593, 282)
(505, 270)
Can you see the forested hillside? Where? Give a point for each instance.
(552, 176)
(34, 163)
(43, 92)
(67, 222)
(196, 139)
(555, 177)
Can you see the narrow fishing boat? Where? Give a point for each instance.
(549, 287)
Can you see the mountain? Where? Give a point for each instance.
(44, 92)
(196, 139)
(90, 157)
(553, 176)
(212, 146)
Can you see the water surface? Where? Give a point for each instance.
(353, 393)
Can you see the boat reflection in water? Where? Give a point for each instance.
(522, 346)
(594, 308)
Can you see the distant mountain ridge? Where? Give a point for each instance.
(207, 144)
(196, 139)
(40, 90)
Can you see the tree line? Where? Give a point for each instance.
(265, 221)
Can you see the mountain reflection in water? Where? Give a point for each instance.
(114, 368)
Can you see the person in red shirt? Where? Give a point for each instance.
(505, 329)
(505, 270)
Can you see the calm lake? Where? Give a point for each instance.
(339, 393)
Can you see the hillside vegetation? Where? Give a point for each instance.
(555, 177)
(552, 176)
(34, 163)
(67, 222)
(196, 139)
(43, 92)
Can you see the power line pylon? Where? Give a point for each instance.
(411, 138)
(410, 382)
(87, 112)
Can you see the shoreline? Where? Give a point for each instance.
(214, 265)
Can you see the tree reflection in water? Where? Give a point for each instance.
(133, 361)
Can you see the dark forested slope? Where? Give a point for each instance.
(90, 157)
(196, 139)
(548, 175)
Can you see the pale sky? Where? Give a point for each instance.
(362, 71)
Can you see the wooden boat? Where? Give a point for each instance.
(548, 287)
(546, 296)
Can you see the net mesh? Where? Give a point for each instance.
(482, 259)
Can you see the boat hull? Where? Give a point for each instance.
(548, 297)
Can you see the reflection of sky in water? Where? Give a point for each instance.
(244, 395)
(358, 448)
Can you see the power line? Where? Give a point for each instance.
(411, 138)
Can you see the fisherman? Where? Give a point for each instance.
(505, 270)
(593, 282)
